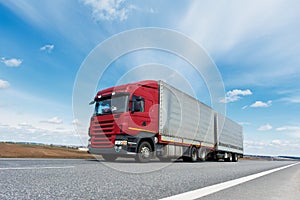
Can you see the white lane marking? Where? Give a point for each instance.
(195, 194)
(30, 168)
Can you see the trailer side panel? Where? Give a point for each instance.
(229, 135)
(182, 116)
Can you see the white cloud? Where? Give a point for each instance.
(292, 99)
(76, 122)
(244, 107)
(235, 95)
(24, 124)
(289, 96)
(4, 84)
(232, 32)
(284, 128)
(277, 142)
(109, 10)
(244, 123)
(265, 127)
(274, 147)
(48, 48)
(237, 20)
(25, 132)
(13, 62)
(260, 104)
(291, 130)
(53, 120)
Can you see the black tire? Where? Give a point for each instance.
(144, 152)
(109, 157)
(202, 156)
(193, 157)
(213, 157)
(194, 154)
(229, 159)
(235, 158)
(186, 159)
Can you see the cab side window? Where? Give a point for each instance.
(138, 104)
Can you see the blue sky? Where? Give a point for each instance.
(255, 45)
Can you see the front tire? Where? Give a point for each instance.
(144, 153)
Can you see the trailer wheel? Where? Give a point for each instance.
(229, 159)
(202, 155)
(186, 159)
(194, 154)
(109, 157)
(144, 153)
(235, 158)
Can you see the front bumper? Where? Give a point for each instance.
(110, 151)
(123, 145)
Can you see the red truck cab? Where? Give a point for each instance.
(125, 121)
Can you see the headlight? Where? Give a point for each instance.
(121, 142)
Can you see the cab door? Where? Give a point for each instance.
(143, 112)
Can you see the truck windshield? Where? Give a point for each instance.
(111, 104)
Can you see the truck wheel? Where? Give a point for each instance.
(202, 155)
(235, 158)
(144, 152)
(194, 154)
(109, 157)
(186, 159)
(229, 159)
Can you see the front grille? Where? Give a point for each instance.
(102, 134)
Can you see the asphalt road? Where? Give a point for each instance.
(91, 179)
